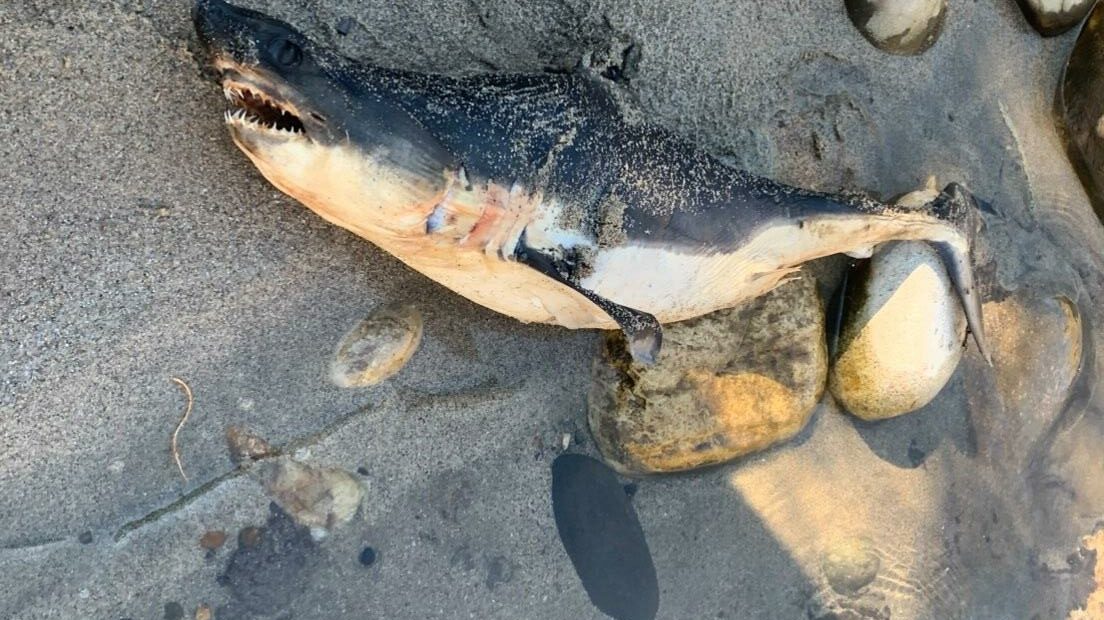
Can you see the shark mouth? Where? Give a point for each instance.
(253, 109)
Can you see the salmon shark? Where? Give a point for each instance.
(534, 195)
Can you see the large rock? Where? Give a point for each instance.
(1081, 103)
(726, 384)
(898, 26)
(902, 339)
(1053, 17)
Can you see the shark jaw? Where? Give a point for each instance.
(258, 111)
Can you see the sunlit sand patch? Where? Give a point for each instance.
(857, 525)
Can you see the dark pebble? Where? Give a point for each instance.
(249, 537)
(631, 489)
(363, 471)
(367, 556)
(85, 537)
(345, 25)
(174, 611)
(600, 531)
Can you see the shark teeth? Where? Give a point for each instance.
(256, 111)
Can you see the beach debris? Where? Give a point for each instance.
(173, 444)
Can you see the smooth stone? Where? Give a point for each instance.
(902, 334)
(905, 27)
(1039, 341)
(603, 538)
(377, 347)
(849, 566)
(1053, 17)
(1081, 103)
(727, 384)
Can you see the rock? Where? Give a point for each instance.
(1039, 342)
(603, 538)
(212, 539)
(245, 447)
(727, 384)
(1081, 103)
(1053, 17)
(903, 27)
(316, 497)
(902, 334)
(850, 566)
(377, 348)
(367, 556)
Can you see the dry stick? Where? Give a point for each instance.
(180, 425)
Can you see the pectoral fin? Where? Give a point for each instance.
(642, 330)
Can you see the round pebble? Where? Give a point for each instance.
(367, 556)
(212, 539)
(377, 347)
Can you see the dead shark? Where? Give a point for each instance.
(533, 195)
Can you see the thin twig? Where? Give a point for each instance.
(180, 425)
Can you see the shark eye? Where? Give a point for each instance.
(285, 52)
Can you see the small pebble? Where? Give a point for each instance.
(363, 471)
(212, 539)
(249, 536)
(174, 611)
(203, 612)
(345, 25)
(631, 489)
(85, 537)
(367, 556)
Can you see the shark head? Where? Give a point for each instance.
(321, 128)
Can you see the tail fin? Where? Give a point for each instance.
(957, 206)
